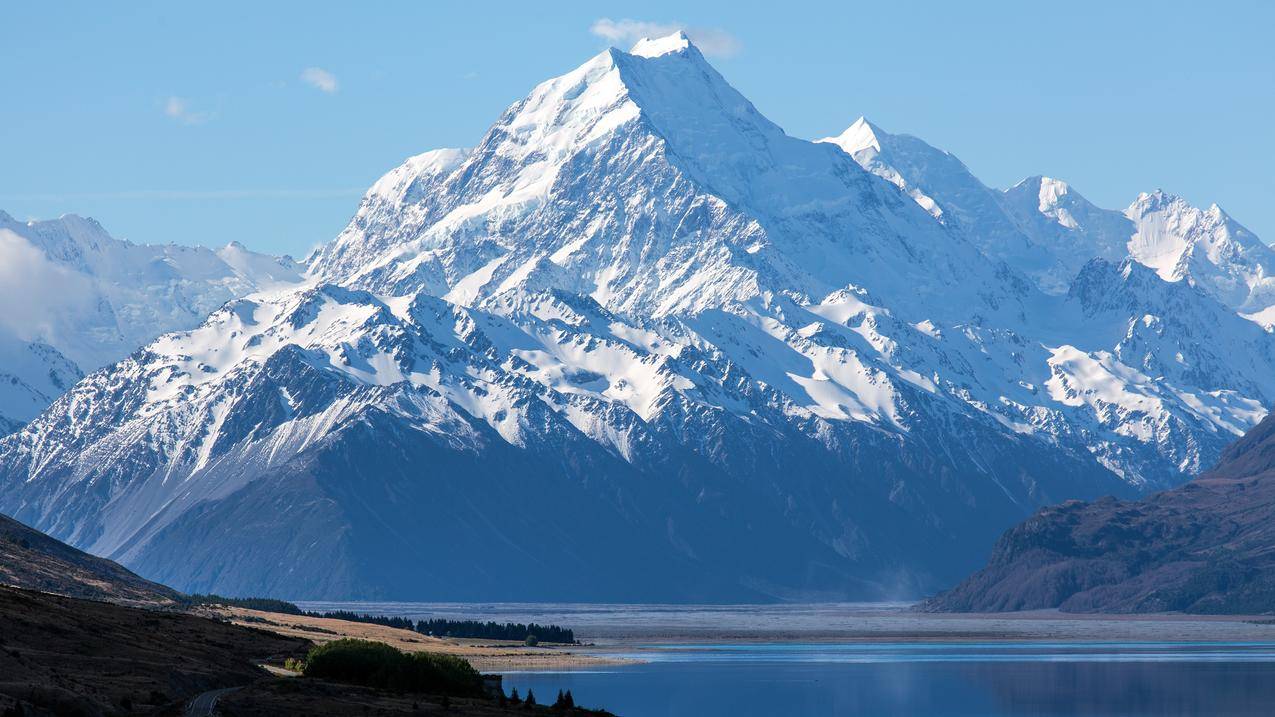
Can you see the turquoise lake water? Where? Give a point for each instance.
(938, 680)
(1103, 668)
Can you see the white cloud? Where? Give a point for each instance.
(320, 79)
(712, 41)
(41, 290)
(180, 110)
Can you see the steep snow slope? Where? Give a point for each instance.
(638, 343)
(85, 299)
(32, 374)
(942, 185)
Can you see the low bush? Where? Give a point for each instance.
(375, 664)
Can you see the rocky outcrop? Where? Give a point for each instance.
(1206, 547)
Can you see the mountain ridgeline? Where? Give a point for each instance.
(640, 344)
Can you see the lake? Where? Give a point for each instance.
(869, 660)
(904, 680)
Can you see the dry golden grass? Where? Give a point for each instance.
(483, 655)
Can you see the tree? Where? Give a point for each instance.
(531, 641)
(568, 701)
(531, 699)
(513, 696)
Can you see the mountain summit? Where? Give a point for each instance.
(640, 344)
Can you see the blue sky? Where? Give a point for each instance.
(262, 122)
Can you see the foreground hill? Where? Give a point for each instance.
(1206, 547)
(641, 344)
(32, 560)
(64, 656)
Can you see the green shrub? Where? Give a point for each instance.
(376, 664)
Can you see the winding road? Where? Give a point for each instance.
(205, 703)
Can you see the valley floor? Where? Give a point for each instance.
(1034, 626)
(610, 626)
(484, 655)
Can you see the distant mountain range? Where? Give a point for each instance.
(81, 300)
(640, 344)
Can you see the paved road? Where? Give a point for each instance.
(205, 703)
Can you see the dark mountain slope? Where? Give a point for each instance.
(1206, 547)
(64, 656)
(32, 560)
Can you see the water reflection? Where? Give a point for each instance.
(930, 681)
(1137, 688)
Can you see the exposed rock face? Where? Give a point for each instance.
(1206, 547)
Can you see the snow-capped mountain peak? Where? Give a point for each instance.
(1052, 193)
(739, 207)
(654, 47)
(866, 143)
(859, 136)
(1206, 247)
(637, 329)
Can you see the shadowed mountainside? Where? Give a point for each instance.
(32, 560)
(1205, 547)
(65, 656)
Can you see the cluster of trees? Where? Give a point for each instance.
(401, 623)
(565, 702)
(250, 603)
(532, 633)
(375, 664)
(495, 630)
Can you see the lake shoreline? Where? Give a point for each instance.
(610, 630)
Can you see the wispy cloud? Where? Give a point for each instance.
(712, 41)
(179, 109)
(182, 194)
(320, 79)
(44, 289)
